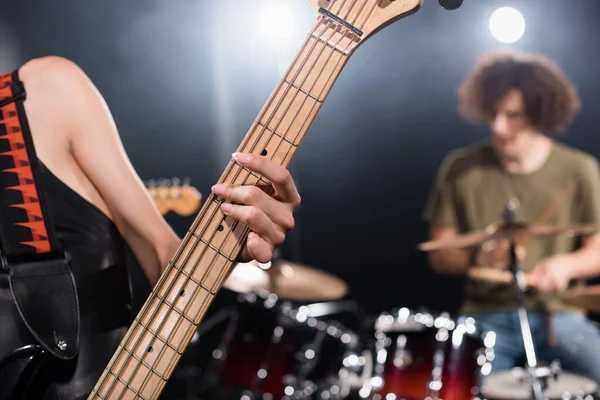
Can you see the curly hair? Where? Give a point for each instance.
(551, 100)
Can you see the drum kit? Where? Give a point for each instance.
(279, 345)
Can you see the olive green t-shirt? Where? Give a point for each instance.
(472, 189)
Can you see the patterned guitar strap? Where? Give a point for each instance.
(41, 280)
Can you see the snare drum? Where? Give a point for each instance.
(274, 350)
(418, 356)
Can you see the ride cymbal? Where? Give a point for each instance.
(506, 230)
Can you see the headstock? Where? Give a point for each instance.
(366, 16)
(170, 195)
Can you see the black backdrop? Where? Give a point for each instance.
(185, 79)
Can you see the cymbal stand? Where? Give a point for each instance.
(538, 377)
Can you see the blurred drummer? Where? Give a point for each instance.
(525, 100)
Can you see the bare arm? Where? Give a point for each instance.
(447, 261)
(97, 149)
(585, 262)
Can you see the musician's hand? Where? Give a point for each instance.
(552, 274)
(495, 254)
(268, 217)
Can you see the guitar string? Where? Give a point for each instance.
(280, 141)
(156, 290)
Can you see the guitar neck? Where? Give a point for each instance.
(153, 345)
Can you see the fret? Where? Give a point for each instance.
(312, 97)
(181, 272)
(185, 296)
(222, 234)
(271, 145)
(261, 127)
(216, 244)
(130, 379)
(319, 62)
(238, 175)
(204, 264)
(153, 354)
(168, 324)
(135, 361)
(289, 111)
(331, 44)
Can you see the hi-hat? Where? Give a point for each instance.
(507, 230)
(287, 280)
(514, 384)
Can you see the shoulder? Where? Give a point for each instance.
(578, 162)
(53, 75)
(47, 67)
(464, 160)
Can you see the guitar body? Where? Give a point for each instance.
(22, 374)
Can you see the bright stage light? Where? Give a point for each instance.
(277, 21)
(507, 24)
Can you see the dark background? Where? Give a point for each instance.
(184, 80)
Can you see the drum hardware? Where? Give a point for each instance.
(516, 384)
(537, 380)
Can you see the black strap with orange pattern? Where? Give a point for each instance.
(26, 226)
(41, 280)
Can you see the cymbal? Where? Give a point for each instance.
(587, 297)
(287, 280)
(506, 230)
(496, 275)
(513, 384)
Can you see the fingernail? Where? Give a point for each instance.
(242, 158)
(218, 189)
(226, 207)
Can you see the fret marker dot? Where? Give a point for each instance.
(264, 152)
(182, 293)
(220, 228)
(150, 349)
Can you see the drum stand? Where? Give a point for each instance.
(538, 377)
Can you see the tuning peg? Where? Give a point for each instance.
(187, 181)
(175, 181)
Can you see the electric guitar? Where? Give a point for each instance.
(161, 332)
(169, 196)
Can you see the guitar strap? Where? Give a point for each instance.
(41, 280)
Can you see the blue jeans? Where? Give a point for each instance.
(577, 340)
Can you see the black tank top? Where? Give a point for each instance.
(98, 262)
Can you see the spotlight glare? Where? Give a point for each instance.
(277, 21)
(507, 24)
